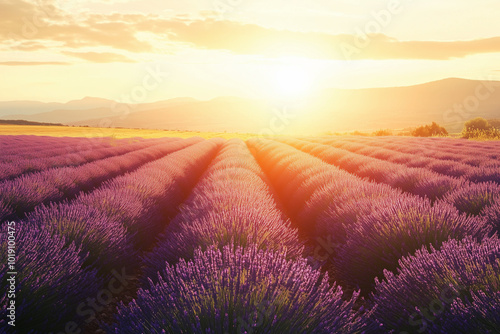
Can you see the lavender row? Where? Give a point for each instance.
(439, 148)
(23, 194)
(104, 250)
(63, 158)
(413, 180)
(357, 228)
(380, 232)
(242, 255)
(47, 144)
(303, 184)
(128, 211)
(55, 148)
(487, 171)
(378, 229)
(444, 143)
(231, 204)
(240, 290)
(146, 200)
(399, 227)
(446, 164)
(470, 198)
(452, 290)
(8, 140)
(12, 144)
(49, 284)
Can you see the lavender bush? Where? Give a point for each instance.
(239, 291)
(473, 198)
(452, 290)
(231, 205)
(5, 211)
(50, 281)
(399, 228)
(125, 206)
(492, 216)
(100, 236)
(23, 194)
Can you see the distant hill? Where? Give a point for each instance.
(330, 110)
(12, 109)
(220, 114)
(399, 107)
(88, 109)
(22, 122)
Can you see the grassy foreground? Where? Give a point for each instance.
(66, 131)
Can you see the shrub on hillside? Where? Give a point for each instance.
(480, 128)
(382, 132)
(495, 123)
(489, 134)
(477, 123)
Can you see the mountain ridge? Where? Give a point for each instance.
(333, 109)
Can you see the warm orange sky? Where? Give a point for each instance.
(158, 49)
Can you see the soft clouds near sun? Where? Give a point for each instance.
(248, 48)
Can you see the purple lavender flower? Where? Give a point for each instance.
(455, 289)
(237, 290)
(473, 198)
(399, 228)
(484, 174)
(50, 281)
(100, 236)
(437, 187)
(5, 211)
(135, 214)
(231, 205)
(23, 194)
(492, 216)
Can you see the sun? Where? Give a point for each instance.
(291, 79)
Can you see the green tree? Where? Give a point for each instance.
(481, 129)
(495, 123)
(477, 123)
(382, 132)
(429, 130)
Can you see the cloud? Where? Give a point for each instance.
(30, 27)
(436, 50)
(99, 57)
(32, 63)
(24, 21)
(253, 39)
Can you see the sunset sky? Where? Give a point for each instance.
(159, 49)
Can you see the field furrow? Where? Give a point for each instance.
(231, 228)
(34, 146)
(357, 228)
(470, 153)
(23, 194)
(487, 171)
(127, 214)
(278, 235)
(67, 156)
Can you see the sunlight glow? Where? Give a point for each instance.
(292, 79)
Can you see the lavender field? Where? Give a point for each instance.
(339, 234)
